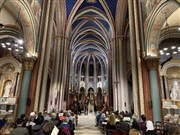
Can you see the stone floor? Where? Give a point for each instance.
(86, 125)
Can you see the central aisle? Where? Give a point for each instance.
(86, 125)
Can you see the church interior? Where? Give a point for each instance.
(124, 54)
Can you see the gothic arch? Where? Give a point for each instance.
(169, 64)
(154, 24)
(27, 21)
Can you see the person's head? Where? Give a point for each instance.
(65, 120)
(39, 120)
(19, 121)
(175, 121)
(135, 125)
(53, 115)
(149, 125)
(112, 119)
(23, 116)
(166, 118)
(143, 117)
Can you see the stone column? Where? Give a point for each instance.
(87, 76)
(166, 88)
(139, 48)
(53, 85)
(102, 75)
(79, 77)
(153, 64)
(162, 87)
(47, 57)
(63, 72)
(43, 51)
(28, 64)
(95, 77)
(133, 58)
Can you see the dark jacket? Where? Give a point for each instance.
(37, 130)
(150, 132)
(20, 131)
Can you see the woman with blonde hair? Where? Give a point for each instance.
(111, 124)
(8, 127)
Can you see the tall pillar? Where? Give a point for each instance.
(79, 77)
(63, 72)
(53, 85)
(28, 64)
(46, 10)
(133, 58)
(95, 77)
(102, 76)
(153, 64)
(107, 78)
(139, 48)
(47, 57)
(86, 76)
(166, 88)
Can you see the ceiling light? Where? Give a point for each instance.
(20, 41)
(165, 49)
(178, 48)
(9, 48)
(7, 43)
(15, 44)
(167, 53)
(2, 44)
(16, 50)
(173, 47)
(21, 47)
(179, 28)
(161, 51)
(174, 52)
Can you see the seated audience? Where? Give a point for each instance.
(20, 130)
(135, 128)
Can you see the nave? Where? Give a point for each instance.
(86, 125)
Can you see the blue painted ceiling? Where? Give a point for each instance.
(91, 30)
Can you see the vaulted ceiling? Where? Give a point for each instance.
(92, 29)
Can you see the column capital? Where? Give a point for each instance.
(28, 63)
(152, 62)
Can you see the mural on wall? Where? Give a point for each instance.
(149, 5)
(36, 6)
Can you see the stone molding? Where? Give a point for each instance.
(152, 63)
(28, 63)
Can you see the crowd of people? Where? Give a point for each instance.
(124, 123)
(109, 122)
(63, 123)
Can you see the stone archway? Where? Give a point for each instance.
(154, 25)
